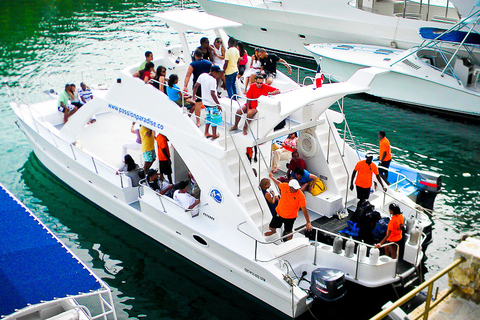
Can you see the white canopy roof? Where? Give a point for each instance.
(194, 20)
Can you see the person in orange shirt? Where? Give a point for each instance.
(384, 155)
(291, 199)
(394, 231)
(164, 161)
(365, 169)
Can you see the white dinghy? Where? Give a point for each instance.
(227, 236)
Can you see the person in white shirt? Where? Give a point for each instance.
(184, 199)
(208, 82)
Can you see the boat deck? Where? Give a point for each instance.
(34, 265)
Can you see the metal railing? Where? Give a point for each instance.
(428, 304)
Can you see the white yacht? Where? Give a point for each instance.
(441, 74)
(41, 278)
(227, 237)
(288, 25)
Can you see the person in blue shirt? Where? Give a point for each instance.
(180, 98)
(304, 178)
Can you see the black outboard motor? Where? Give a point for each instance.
(328, 284)
(429, 184)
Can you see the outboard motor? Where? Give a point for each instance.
(328, 284)
(429, 184)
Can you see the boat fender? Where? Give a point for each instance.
(337, 245)
(307, 145)
(374, 254)
(362, 252)
(349, 248)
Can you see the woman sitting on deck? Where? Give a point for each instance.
(180, 98)
(131, 169)
(285, 151)
(146, 73)
(160, 79)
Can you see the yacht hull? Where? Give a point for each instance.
(288, 25)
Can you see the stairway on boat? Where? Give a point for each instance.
(246, 184)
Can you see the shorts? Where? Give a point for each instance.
(165, 167)
(277, 222)
(69, 106)
(213, 116)
(77, 104)
(149, 156)
(199, 94)
(185, 104)
(270, 75)
(363, 193)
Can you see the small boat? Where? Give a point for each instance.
(288, 25)
(442, 74)
(225, 233)
(41, 278)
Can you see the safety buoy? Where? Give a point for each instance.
(307, 145)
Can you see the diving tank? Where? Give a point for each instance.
(410, 223)
(337, 245)
(415, 235)
(374, 254)
(349, 248)
(362, 251)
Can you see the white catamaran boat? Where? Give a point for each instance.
(288, 25)
(227, 237)
(41, 278)
(430, 75)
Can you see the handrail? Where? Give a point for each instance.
(414, 292)
(341, 157)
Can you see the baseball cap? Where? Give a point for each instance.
(294, 184)
(370, 154)
(151, 172)
(215, 68)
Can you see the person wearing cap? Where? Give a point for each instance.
(365, 169)
(208, 83)
(183, 198)
(291, 200)
(159, 185)
(250, 108)
(384, 155)
(64, 105)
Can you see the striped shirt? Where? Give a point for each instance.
(86, 94)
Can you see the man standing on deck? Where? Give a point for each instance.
(164, 161)
(365, 169)
(148, 147)
(196, 68)
(64, 105)
(384, 155)
(232, 55)
(291, 199)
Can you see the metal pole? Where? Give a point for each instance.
(316, 248)
(328, 143)
(427, 302)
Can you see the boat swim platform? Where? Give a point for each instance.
(35, 266)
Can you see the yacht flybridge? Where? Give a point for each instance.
(288, 25)
(227, 237)
(442, 73)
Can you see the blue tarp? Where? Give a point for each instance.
(34, 265)
(454, 36)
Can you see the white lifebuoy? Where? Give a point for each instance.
(307, 145)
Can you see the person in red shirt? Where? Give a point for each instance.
(296, 162)
(365, 169)
(394, 231)
(164, 161)
(250, 108)
(384, 155)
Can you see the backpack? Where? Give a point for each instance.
(317, 187)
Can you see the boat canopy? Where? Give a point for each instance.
(34, 265)
(454, 36)
(193, 20)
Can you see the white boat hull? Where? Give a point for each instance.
(288, 25)
(425, 90)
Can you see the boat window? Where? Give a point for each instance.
(343, 47)
(264, 29)
(301, 36)
(200, 240)
(383, 51)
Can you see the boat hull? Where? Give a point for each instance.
(287, 26)
(414, 90)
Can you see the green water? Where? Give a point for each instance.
(39, 38)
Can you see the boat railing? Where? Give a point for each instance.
(327, 76)
(429, 305)
(342, 155)
(315, 243)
